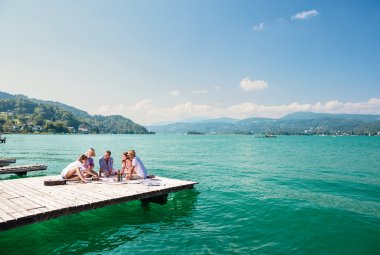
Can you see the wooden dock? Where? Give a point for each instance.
(27, 200)
(21, 170)
(7, 161)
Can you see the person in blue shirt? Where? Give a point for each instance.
(106, 165)
(89, 165)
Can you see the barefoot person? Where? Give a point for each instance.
(137, 167)
(106, 165)
(89, 165)
(73, 170)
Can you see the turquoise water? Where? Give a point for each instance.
(288, 195)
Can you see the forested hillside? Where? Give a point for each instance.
(19, 114)
(301, 123)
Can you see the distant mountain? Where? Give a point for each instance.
(295, 123)
(73, 110)
(194, 120)
(253, 120)
(182, 128)
(314, 115)
(4, 95)
(221, 120)
(65, 107)
(198, 120)
(18, 113)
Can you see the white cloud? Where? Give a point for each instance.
(145, 112)
(259, 27)
(174, 93)
(200, 92)
(372, 106)
(305, 14)
(217, 87)
(248, 85)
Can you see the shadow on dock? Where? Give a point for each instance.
(102, 229)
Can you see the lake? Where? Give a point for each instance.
(284, 195)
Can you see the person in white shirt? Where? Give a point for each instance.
(137, 167)
(74, 170)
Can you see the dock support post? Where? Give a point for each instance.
(21, 174)
(161, 200)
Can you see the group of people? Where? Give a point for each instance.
(131, 167)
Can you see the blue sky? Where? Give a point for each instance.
(157, 61)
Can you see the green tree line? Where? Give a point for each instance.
(22, 115)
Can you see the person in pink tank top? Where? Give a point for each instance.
(126, 164)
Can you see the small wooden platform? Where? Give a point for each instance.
(27, 200)
(21, 170)
(7, 161)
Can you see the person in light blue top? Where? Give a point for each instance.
(106, 165)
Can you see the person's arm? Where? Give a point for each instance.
(111, 164)
(90, 169)
(91, 172)
(130, 172)
(102, 163)
(92, 164)
(101, 166)
(79, 173)
(123, 168)
(133, 168)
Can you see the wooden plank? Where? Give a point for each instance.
(5, 216)
(32, 202)
(6, 208)
(27, 200)
(8, 160)
(67, 196)
(17, 211)
(17, 203)
(21, 169)
(39, 197)
(55, 196)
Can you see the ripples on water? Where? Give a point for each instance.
(289, 195)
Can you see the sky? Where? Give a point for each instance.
(158, 61)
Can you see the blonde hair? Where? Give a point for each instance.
(132, 152)
(92, 150)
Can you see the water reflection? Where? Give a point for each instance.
(102, 229)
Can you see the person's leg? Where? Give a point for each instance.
(75, 174)
(79, 174)
(71, 174)
(135, 177)
(110, 173)
(75, 178)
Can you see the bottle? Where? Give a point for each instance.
(118, 176)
